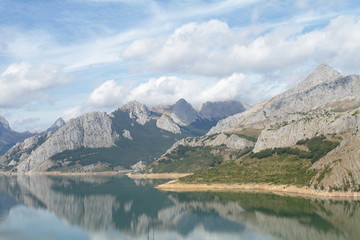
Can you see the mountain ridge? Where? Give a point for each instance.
(322, 111)
(110, 137)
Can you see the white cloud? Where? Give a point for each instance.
(169, 89)
(107, 94)
(22, 83)
(213, 48)
(71, 113)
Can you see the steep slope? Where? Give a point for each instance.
(322, 111)
(98, 141)
(8, 137)
(93, 130)
(322, 87)
(57, 124)
(215, 111)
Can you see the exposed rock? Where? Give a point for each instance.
(137, 111)
(322, 87)
(139, 167)
(8, 137)
(229, 140)
(286, 134)
(4, 123)
(126, 134)
(92, 130)
(183, 113)
(219, 110)
(166, 123)
(57, 124)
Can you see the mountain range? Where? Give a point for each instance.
(308, 135)
(99, 141)
(8, 137)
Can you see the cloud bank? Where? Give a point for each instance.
(21, 83)
(169, 89)
(212, 48)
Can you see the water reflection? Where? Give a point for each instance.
(94, 207)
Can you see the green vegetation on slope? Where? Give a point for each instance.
(318, 147)
(277, 169)
(191, 159)
(278, 166)
(148, 143)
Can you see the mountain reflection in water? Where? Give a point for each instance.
(108, 207)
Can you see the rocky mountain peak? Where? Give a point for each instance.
(183, 113)
(57, 124)
(219, 110)
(137, 110)
(4, 122)
(323, 73)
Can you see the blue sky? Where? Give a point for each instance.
(61, 58)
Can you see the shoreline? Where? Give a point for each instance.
(282, 190)
(156, 175)
(107, 173)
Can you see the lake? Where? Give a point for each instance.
(116, 207)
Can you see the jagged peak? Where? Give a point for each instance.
(4, 122)
(181, 102)
(137, 111)
(323, 73)
(59, 122)
(132, 105)
(56, 125)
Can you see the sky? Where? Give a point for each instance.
(63, 58)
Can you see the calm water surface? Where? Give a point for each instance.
(94, 207)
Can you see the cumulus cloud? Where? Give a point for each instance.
(107, 94)
(169, 89)
(21, 83)
(72, 113)
(213, 48)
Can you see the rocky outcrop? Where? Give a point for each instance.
(139, 167)
(92, 130)
(321, 88)
(183, 113)
(137, 111)
(214, 111)
(126, 134)
(4, 123)
(8, 137)
(285, 134)
(57, 124)
(232, 141)
(166, 123)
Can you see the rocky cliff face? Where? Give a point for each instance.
(57, 124)
(8, 137)
(219, 110)
(137, 111)
(92, 130)
(229, 140)
(166, 123)
(183, 113)
(325, 103)
(321, 88)
(129, 129)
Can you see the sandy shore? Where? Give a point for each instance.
(67, 173)
(157, 175)
(284, 190)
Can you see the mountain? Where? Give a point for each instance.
(215, 111)
(308, 135)
(98, 141)
(8, 137)
(57, 124)
(324, 86)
